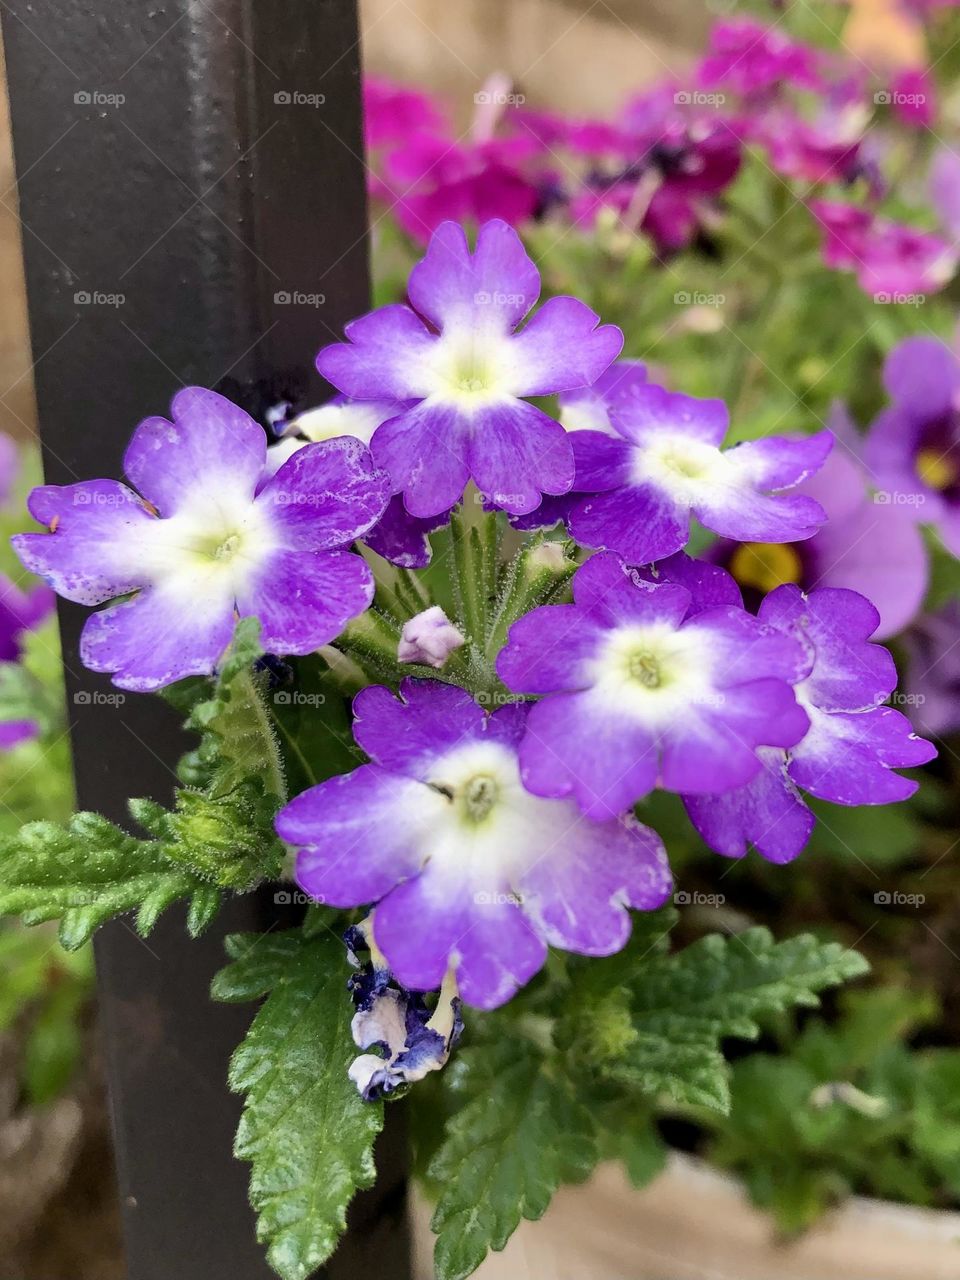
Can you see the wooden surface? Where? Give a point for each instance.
(694, 1224)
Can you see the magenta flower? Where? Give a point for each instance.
(852, 747)
(206, 542)
(468, 869)
(661, 463)
(913, 447)
(458, 354)
(753, 60)
(890, 259)
(392, 113)
(641, 691)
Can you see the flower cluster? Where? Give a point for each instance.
(496, 814)
(818, 120)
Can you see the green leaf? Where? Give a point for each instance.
(520, 1136)
(304, 1128)
(87, 872)
(237, 739)
(684, 1004)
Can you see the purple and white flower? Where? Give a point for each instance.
(205, 541)
(399, 537)
(457, 353)
(852, 747)
(657, 462)
(643, 690)
(467, 869)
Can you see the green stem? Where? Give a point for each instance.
(246, 687)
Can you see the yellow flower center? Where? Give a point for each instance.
(765, 565)
(936, 468)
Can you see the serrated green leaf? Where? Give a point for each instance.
(683, 1005)
(85, 873)
(520, 1136)
(305, 1130)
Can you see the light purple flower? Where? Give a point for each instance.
(852, 747)
(430, 638)
(466, 867)
(459, 356)
(913, 447)
(873, 547)
(933, 671)
(207, 542)
(642, 690)
(662, 463)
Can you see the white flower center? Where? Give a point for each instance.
(651, 672)
(687, 469)
(472, 368)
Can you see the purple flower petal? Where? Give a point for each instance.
(767, 813)
(563, 346)
(642, 412)
(639, 522)
(402, 538)
(514, 452)
(358, 834)
(780, 462)
(578, 893)
(170, 463)
(849, 674)
(304, 599)
(387, 356)
(405, 736)
(496, 285)
(425, 453)
(326, 495)
(100, 541)
(850, 758)
(710, 586)
(575, 745)
(155, 639)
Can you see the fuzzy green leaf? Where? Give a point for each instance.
(305, 1130)
(87, 872)
(520, 1136)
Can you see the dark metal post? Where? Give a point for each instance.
(192, 196)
